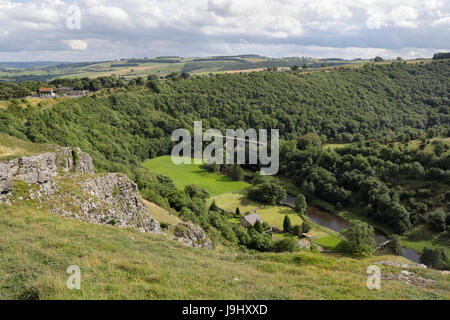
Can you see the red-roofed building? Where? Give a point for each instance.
(46, 93)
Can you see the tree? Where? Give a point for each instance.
(184, 75)
(258, 226)
(306, 226)
(195, 191)
(359, 239)
(213, 206)
(236, 173)
(287, 226)
(395, 245)
(438, 220)
(378, 59)
(297, 230)
(435, 258)
(270, 192)
(300, 203)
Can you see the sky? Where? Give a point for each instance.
(95, 30)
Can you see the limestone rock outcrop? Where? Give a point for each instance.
(115, 200)
(192, 236)
(5, 178)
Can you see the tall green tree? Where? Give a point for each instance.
(360, 240)
(287, 226)
(300, 203)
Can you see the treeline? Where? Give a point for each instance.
(441, 55)
(399, 188)
(23, 89)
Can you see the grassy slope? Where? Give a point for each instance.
(116, 263)
(11, 147)
(185, 174)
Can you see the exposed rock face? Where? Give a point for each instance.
(192, 236)
(115, 201)
(5, 178)
(42, 167)
(304, 244)
(401, 265)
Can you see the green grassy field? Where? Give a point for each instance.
(117, 263)
(185, 174)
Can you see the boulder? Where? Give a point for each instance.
(5, 178)
(192, 236)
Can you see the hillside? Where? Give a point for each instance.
(373, 112)
(117, 263)
(160, 66)
(38, 241)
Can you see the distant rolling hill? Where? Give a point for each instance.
(160, 66)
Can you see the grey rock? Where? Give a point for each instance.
(304, 244)
(115, 200)
(401, 265)
(5, 178)
(192, 236)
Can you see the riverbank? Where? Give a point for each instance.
(324, 214)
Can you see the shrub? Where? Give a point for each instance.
(288, 244)
(297, 230)
(359, 239)
(306, 226)
(435, 258)
(395, 245)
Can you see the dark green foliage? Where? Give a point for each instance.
(268, 192)
(435, 258)
(438, 220)
(395, 245)
(286, 245)
(300, 203)
(258, 226)
(287, 225)
(441, 55)
(213, 206)
(236, 173)
(195, 191)
(359, 239)
(306, 226)
(297, 230)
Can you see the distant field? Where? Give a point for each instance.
(185, 174)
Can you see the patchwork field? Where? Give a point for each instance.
(185, 174)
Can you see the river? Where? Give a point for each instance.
(338, 224)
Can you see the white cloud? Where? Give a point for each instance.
(77, 44)
(126, 28)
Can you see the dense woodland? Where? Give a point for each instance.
(373, 107)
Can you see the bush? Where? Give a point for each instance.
(395, 245)
(288, 244)
(359, 239)
(306, 226)
(297, 230)
(435, 258)
(438, 220)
